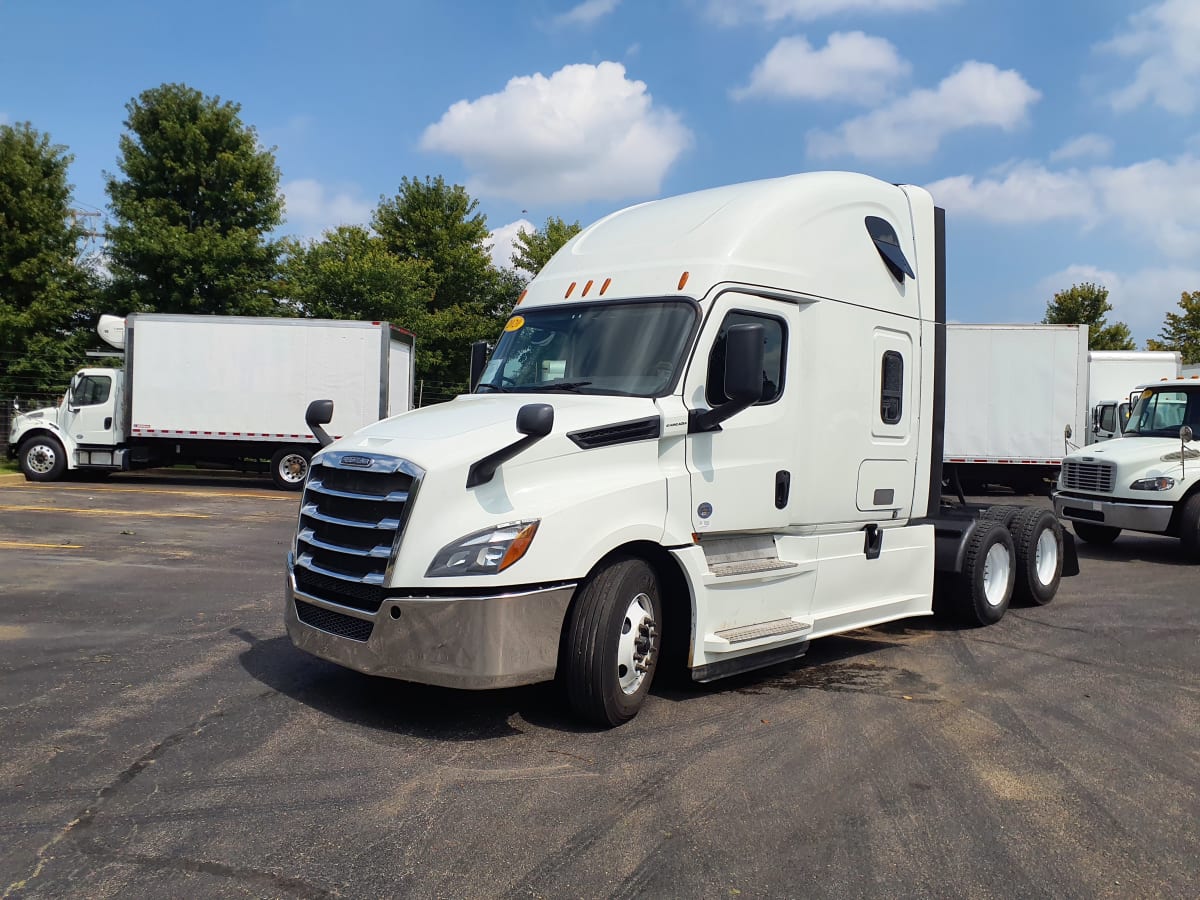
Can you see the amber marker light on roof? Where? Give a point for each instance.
(522, 297)
(682, 280)
(587, 287)
(569, 289)
(604, 287)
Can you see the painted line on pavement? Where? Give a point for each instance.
(106, 512)
(105, 489)
(22, 545)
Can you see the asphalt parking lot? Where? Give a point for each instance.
(159, 736)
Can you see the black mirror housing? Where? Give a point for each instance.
(535, 419)
(744, 354)
(478, 359)
(319, 412)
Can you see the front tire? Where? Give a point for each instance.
(1189, 528)
(1100, 535)
(42, 459)
(613, 642)
(1038, 539)
(289, 467)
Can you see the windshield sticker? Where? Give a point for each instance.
(516, 323)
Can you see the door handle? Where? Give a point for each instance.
(783, 487)
(107, 422)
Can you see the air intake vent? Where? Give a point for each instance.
(1088, 476)
(334, 622)
(621, 433)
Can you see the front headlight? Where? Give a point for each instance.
(1159, 483)
(484, 552)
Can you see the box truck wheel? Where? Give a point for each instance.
(289, 466)
(984, 587)
(1038, 538)
(1100, 535)
(1189, 528)
(42, 458)
(612, 642)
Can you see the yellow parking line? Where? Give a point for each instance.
(21, 545)
(106, 489)
(106, 512)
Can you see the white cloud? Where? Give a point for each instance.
(731, 12)
(312, 208)
(1140, 298)
(851, 66)
(504, 239)
(975, 95)
(585, 133)
(1156, 201)
(1094, 145)
(1164, 37)
(587, 12)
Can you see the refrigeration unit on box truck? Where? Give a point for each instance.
(217, 389)
(709, 433)
(1012, 391)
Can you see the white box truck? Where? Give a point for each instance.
(1012, 391)
(1149, 480)
(216, 389)
(1115, 378)
(709, 433)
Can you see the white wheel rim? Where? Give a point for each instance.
(635, 647)
(996, 568)
(1045, 558)
(293, 468)
(41, 459)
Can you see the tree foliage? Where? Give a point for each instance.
(1181, 330)
(534, 249)
(193, 209)
(1087, 304)
(46, 297)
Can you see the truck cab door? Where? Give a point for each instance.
(90, 413)
(739, 473)
(1104, 421)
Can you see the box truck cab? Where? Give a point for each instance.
(1147, 481)
(709, 433)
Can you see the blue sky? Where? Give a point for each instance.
(1061, 136)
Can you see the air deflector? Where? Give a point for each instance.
(883, 235)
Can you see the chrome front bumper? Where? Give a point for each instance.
(476, 643)
(1152, 518)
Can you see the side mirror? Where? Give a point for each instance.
(744, 354)
(1185, 434)
(1067, 432)
(535, 419)
(319, 412)
(478, 359)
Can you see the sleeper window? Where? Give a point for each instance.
(891, 393)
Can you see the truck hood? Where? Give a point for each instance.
(1136, 451)
(473, 425)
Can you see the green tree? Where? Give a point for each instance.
(1181, 330)
(46, 297)
(192, 213)
(534, 249)
(1087, 304)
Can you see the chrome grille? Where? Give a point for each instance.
(1088, 476)
(352, 519)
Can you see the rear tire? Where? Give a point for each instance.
(983, 589)
(1189, 528)
(1100, 535)
(1038, 539)
(42, 458)
(1003, 514)
(613, 642)
(289, 467)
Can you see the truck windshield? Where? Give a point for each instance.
(633, 349)
(1160, 413)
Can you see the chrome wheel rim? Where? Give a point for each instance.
(635, 647)
(293, 468)
(1045, 557)
(996, 568)
(41, 459)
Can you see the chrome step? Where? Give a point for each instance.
(774, 628)
(747, 566)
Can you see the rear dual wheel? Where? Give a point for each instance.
(289, 467)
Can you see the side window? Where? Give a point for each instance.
(92, 390)
(774, 342)
(891, 388)
(1108, 418)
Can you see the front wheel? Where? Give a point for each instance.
(1100, 535)
(42, 459)
(1189, 528)
(612, 642)
(289, 467)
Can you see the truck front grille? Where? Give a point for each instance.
(334, 622)
(1088, 476)
(352, 518)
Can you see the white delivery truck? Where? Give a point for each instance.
(1114, 377)
(709, 433)
(216, 389)
(1012, 392)
(1147, 481)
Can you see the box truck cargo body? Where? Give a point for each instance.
(1114, 381)
(710, 432)
(217, 389)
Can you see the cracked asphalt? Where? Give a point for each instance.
(160, 737)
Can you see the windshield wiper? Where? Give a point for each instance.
(572, 386)
(495, 387)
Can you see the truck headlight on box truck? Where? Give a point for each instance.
(484, 552)
(1158, 483)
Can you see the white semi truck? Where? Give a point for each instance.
(216, 389)
(1149, 480)
(709, 433)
